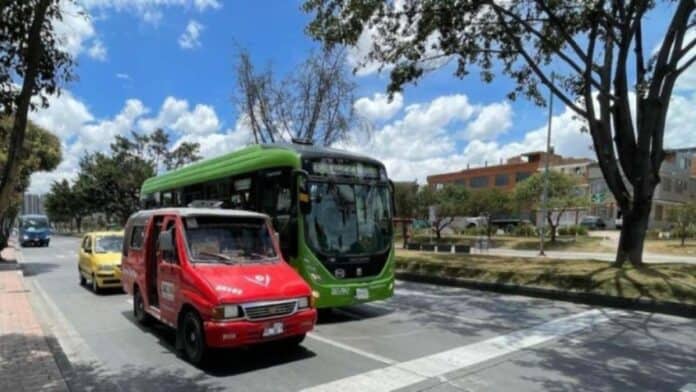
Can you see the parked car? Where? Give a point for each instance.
(216, 276)
(593, 223)
(98, 259)
(34, 230)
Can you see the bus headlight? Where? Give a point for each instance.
(225, 312)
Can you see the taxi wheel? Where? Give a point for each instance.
(83, 281)
(193, 338)
(95, 284)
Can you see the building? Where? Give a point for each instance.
(33, 204)
(506, 175)
(677, 186)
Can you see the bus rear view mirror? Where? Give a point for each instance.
(303, 199)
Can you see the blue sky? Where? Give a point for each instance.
(170, 63)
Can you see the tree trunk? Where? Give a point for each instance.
(633, 230)
(10, 172)
(78, 223)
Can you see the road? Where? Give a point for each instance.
(425, 338)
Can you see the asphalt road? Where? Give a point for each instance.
(425, 338)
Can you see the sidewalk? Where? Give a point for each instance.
(26, 362)
(610, 257)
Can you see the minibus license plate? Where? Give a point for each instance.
(273, 330)
(362, 293)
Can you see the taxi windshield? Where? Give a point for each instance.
(229, 240)
(108, 244)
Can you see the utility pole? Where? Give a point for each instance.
(545, 191)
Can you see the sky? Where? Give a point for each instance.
(148, 64)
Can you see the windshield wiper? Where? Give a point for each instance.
(221, 257)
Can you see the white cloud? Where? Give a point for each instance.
(64, 116)
(97, 51)
(123, 76)
(190, 38)
(215, 144)
(378, 107)
(203, 5)
(74, 29)
(493, 120)
(175, 115)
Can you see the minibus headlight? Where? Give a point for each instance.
(224, 312)
(303, 302)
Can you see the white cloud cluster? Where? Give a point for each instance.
(81, 133)
(190, 38)
(150, 10)
(493, 120)
(97, 51)
(379, 107)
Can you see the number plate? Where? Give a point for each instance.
(273, 330)
(362, 293)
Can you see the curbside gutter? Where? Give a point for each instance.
(671, 308)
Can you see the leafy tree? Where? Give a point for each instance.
(314, 103)
(594, 49)
(32, 65)
(683, 217)
(447, 203)
(41, 152)
(490, 203)
(405, 198)
(563, 194)
(67, 203)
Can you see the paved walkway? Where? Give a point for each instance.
(26, 362)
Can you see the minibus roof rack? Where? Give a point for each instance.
(205, 204)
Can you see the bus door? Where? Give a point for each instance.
(169, 274)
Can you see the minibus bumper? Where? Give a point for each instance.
(244, 332)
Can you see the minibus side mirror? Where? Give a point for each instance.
(166, 242)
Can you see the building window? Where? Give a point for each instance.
(439, 186)
(479, 182)
(460, 182)
(658, 212)
(501, 179)
(521, 176)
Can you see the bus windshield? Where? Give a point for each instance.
(227, 240)
(349, 219)
(34, 222)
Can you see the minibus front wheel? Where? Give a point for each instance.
(193, 337)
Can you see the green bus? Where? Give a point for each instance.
(332, 210)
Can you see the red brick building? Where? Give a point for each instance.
(503, 176)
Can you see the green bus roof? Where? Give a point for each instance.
(251, 158)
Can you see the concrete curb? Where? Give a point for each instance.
(671, 308)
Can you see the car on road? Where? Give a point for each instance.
(593, 223)
(216, 276)
(98, 259)
(34, 230)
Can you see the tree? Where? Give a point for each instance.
(314, 103)
(683, 217)
(490, 203)
(67, 203)
(594, 49)
(563, 194)
(405, 195)
(41, 152)
(32, 64)
(447, 203)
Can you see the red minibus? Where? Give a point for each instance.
(216, 276)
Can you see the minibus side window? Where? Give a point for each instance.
(137, 236)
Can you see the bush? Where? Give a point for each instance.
(475, 231)
(525, 231)
(653, 234)
(572, 230)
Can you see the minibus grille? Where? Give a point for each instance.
(261, 311)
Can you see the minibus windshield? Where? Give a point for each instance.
(228, 240)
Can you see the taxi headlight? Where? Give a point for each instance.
(303, 302)
(224, 312)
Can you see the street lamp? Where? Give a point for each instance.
(545, 191)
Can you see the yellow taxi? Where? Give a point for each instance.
(99, 259)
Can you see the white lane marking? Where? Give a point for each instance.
(352, 349)
(60, 256)
(690, 387)
(130, 301)
(418, 370)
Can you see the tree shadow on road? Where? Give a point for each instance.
(33, 269)
(19, 371)
(636, 352)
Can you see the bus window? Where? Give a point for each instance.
(276, 201)
(241, 196)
